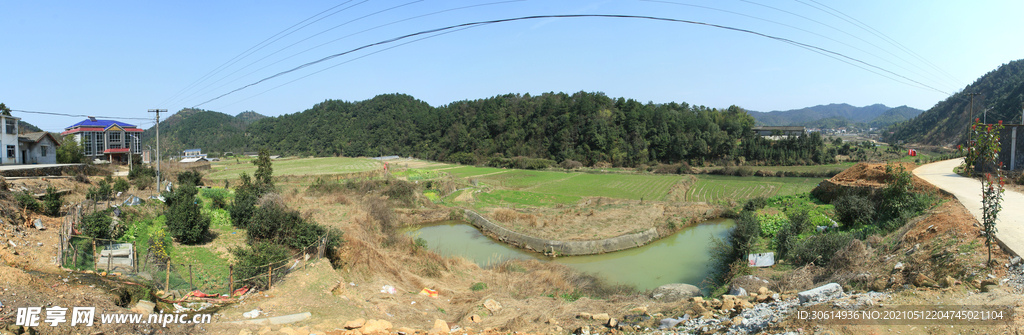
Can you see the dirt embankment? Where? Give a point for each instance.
(866, 178)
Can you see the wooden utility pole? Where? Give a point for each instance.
(158, 111)
(969, 122)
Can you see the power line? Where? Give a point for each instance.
(876, 35)
(534, 17)
(76, 115)
(363, 31)
(789, 26)
(293, 44)
(247, 52)
(892, 41)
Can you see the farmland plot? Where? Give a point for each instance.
(298, 167)
(709, 188)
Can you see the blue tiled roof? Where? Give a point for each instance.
(100, 123)
(191, 150)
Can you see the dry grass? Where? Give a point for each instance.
(509, 216)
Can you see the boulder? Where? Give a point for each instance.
(675, 292)
(821, 293)
(357, 323)
(762, 290)
(144, 307)
(602, 317)
(440, 327)
(728, 304)
(737, 321)
(612, 323)
(492, 305)
(737, 291)
(923, 281)
(697, 300)
(406, 331)
(584, 315)
(376, 327)
(474, 318)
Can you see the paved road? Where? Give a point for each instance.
(1010, 223)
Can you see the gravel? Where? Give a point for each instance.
(1015, 276)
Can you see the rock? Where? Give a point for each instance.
(675, 292)
(584, 315)
(289, 331)
(923, 281)
(264, 330)
(748, 283)
(863, 277)
(492, 306)
(988, 282)
(745, 304)
(989, 288)
(878, 285)
(602, 317)
(671, 323)
(612, 323)
(144, 307)
(1014, 261)
(899, 266)
(762, 298)
(585, 330)
(715, 303)
(699, 309)
(474, 318)
(552, 321)
(728, 304)
(440, 327)
(762, 290)
(738, 320)
(406, 330)
(639, 310)
(558, 330)
(737, 291)
(357, 323)
(949, 281)
(821, 293)
(976, 283)
(376, 327)
(244, 332)
(697, 300)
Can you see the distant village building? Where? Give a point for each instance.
(106, 140)
(9, 140)
(785, 131)
(192, 156)
(38, 148)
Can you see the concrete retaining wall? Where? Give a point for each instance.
(562, 248)
(58, 170)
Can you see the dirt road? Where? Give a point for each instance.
(1010, 222)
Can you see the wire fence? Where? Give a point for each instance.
(147, 263)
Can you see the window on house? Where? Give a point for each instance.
(12, 127)
(43, 150)
(87, 143)
(114, 137)
(114, 146)
(11, 152)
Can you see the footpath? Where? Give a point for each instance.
(1009, 223)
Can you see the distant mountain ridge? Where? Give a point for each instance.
(836, 115)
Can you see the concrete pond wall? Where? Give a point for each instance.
(561, 248)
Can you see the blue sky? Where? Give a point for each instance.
(121, 58)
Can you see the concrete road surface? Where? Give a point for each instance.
(1009, 223)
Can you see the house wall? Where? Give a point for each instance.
(1007, 156)
(35, 152)
(9, 139)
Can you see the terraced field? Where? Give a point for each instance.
(621, 186)
(709, 188)
(229, 169)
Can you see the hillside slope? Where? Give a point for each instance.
(213, 132)
(810, 115)
(1000, 91)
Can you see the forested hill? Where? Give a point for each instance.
(946, 123)
(836, 115)
(585, 127)
(213, 132)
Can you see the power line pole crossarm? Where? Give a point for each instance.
(158, 111)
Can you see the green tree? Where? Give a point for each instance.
(185, 220)
(244, 204)
(264, 171)
(69, 151)
(4, 110)
(52, 201)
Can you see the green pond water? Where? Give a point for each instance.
(680, 258)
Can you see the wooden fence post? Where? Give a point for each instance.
(110, 256)
(270, 275)
(231, 280)
(94, 259)
(190, 278)
(167, 283)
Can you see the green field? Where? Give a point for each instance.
(709, 188)
(229, 169)
(622, 186)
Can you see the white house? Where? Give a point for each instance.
(11, 153)
(38, 148)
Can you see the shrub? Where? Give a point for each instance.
(324, 186)
(52, 202)
(400, 190)
(26, 200)
(246, 196)
(570, 164)
(217, 199)
(252, 261)
(121, 185)
(819, 247)
(744, 172)
(464, 158)
(755, 203)
(741, 238)
(99, 193)
(478, 287)
(97, 224)
(185, 220)
(771, 224)
(854, 210)
(190, 177)
(82, 178)
(143, 182)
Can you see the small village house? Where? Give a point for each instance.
(31, 148)
(192, 156)
(106, 140)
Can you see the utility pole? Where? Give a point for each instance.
(969, 122)
(158, 111)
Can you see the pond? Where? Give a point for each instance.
(682, 257)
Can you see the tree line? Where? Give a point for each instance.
(590, 128)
